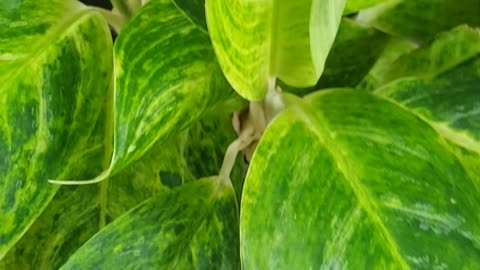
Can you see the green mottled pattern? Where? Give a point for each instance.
(442, 85)
(166, 77)
(192, 227)
(52, 92)
(366, 185)
(241, 33)
(354, 6)
(422, 20)
(206, 145)
(25, 24)
(258, 41)
(76, 213)
(450, 102)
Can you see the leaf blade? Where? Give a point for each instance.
(355, 176)
(252, 55)
(192, 215)
(162, 86)
(53, 94)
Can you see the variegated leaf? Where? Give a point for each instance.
(53, 86)
(166, 77)
(194, 226)
(259, 41)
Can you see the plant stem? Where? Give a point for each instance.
(121, 7)
(246, 137)
(116, 21)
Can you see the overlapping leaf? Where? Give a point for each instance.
(195, 226)
(53, 88)
(77, 213)
(259, 41)
(383, 180)
(166, 78)
(194, 10)
(366, 184)
(421, 20)
(392, 51)
(354, 52)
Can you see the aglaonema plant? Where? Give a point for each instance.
(309, 134)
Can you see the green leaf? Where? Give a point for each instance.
(192, 227)
(393, 50)
(354, 6)
(421, 20)
(354, 52)
(450, 102)
(259, 41)
(194, 10)
(444, 53)
(54, 83)
(77, 213)
(367, 184)
(399, 60)
(166, 77)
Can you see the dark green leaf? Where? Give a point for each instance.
(393, 50)
(53, 86)
(421, 20)
(192, 227)
(195, 11)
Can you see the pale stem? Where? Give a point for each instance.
(246, 138)
(121, 7)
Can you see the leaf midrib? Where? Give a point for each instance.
(305, 113)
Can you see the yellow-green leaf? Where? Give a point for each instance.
(259, 41)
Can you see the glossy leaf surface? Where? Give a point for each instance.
(166, 76)
(259, 41)
(421, 20)
(194, 226)
(366, 184)
(53, 88)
